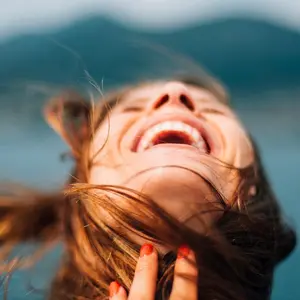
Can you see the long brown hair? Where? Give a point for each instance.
(236, 256)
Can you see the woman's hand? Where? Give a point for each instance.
(144, 282)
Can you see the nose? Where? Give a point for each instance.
(174, 94)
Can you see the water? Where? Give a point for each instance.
(30, 153)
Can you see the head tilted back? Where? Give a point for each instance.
(253, 228)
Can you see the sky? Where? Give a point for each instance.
(21, 16)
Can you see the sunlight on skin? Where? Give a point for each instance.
(168, 173)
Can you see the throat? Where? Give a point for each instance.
(172, 138)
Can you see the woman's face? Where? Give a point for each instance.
(162, 136)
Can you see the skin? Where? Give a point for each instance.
(240, 258)
(144, 281)
(177, 190)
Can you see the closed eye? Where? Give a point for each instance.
(132, 108)
(211, 111)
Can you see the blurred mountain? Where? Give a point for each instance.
(245, 54)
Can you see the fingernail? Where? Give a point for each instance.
(183, 252)
(146, 249)
(113, 288)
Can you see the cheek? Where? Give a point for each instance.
(237, 147)
(109, 130)
(105, 175)
(105, 143)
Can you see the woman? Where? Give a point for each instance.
(165, 164)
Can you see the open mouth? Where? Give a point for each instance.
(171, 132)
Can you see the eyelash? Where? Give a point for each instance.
(211, 111)
(132, 109)
(129, 109)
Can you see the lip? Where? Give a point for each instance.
(187, 119)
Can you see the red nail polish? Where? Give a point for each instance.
(113, 288)
(183, 251)
(146, 249)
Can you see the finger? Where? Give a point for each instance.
(144, 282)
(116, 291)
(185, 276)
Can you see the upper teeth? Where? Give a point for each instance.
(150, 134)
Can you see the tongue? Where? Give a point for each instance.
(172, 138)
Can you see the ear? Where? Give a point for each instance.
(69, 115)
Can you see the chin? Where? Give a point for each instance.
(180, 191)
(169, 159)
(180, 171)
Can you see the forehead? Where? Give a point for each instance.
(146, 91)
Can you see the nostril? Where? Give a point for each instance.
(161, 101)
(187, 102)
(182, 99)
